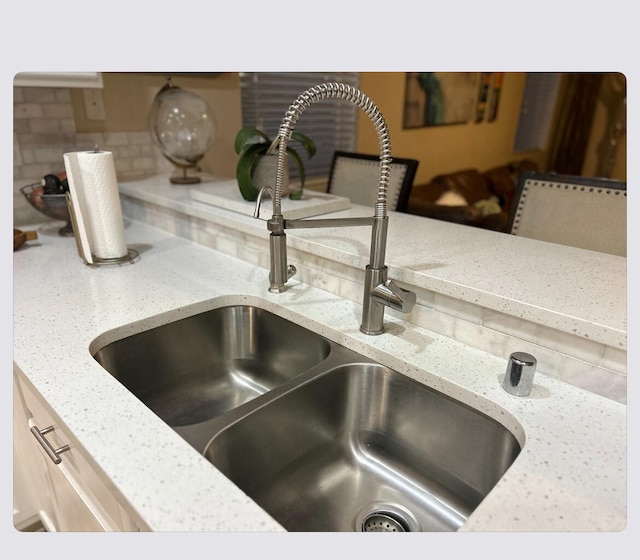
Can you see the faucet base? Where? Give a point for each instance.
(378, 294)
(372, 310)
(372, 333)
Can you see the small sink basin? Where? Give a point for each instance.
(194, 369)
(363, 448)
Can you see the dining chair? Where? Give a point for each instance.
(355, 176)
(585, 212)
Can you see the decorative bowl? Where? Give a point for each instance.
(51, 205)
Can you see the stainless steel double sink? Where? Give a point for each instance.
(320, 437)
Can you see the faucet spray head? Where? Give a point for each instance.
(256, 210)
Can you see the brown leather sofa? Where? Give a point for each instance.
(470, 197)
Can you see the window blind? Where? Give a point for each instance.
(536, 114)
(330, 123)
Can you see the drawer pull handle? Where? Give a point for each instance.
(54, 454)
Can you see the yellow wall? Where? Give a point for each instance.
(444, 149)
(128, 97)
(439, 149)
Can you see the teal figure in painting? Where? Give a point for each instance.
(434, 106)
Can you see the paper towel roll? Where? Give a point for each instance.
(92, 178)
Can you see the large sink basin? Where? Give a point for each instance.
(364, 448)
(196, 368)
(319, 436)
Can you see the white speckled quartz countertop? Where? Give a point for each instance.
(512, 274)
(570, 475)
(492, 291)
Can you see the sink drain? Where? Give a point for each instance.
(385, 518)
(383, 523)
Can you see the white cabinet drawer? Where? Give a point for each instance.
(83, 502)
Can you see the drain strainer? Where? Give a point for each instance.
(383, 523)
(380, 517)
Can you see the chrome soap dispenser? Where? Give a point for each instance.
(518, 379)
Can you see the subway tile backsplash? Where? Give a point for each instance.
(44, 129)
(587, 364)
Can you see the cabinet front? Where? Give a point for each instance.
(53, 479)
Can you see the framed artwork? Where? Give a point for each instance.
(489, 96)
(498, 78)
(440, 98)
(483, 95)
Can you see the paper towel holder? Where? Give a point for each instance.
(131, 257)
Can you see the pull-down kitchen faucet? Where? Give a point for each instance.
(378, 290)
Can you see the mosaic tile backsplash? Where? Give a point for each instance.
(44, 129)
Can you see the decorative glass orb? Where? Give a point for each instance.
(181, 124)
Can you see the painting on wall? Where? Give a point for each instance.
(440, 98)
(489, 96)
(498, 78)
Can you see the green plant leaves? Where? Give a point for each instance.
(306, 142)
(294, 155)
(246, 134)
(251, 150)
(244, 170)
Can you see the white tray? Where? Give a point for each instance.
(226, 194)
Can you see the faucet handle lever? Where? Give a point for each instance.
(389, 293)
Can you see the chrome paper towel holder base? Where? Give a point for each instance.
(131, 257)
